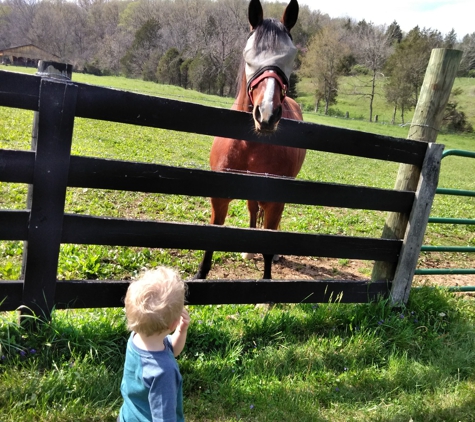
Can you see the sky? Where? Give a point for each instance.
(443, 15)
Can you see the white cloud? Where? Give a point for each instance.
(443, 15)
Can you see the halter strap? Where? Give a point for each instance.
(268, 72)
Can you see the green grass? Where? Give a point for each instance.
(244, 363)
(331, 362)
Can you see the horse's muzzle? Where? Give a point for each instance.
(266, 122)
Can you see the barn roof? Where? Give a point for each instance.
(28, 51)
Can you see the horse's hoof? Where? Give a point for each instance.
(247, 255)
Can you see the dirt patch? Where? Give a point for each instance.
(308, 268)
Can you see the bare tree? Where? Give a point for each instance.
(398, 90)
(21, 16)
(183, 21)
(372, 46)
(223, 37)
(54, 28)
(322, 62)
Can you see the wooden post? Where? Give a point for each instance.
(438, 81)
(51, 141)
(49, 70)
(417, 225)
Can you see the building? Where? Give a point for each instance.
(25, 55)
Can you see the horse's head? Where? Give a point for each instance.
(269, 55)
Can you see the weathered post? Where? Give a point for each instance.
(51, 70)
(438, 81)
(51, 140)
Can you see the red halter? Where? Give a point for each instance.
(264, 75)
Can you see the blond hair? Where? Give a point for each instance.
(154, 301)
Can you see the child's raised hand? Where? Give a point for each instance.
(184, 320)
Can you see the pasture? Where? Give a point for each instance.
(292, 362)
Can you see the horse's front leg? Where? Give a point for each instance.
(219, 210)
(268, 267)
(253, 208)
(205, 266)
(272, 215)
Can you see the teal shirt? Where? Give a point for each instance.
(151, 385)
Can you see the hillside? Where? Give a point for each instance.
(352, 98)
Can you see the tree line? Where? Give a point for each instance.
(198, 44)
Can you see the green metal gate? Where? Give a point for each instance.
(440, 220)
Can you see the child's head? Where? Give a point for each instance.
(154, 301)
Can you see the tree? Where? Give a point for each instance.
(223, 36)
(293, 81)
(398, 90)
(200, 75)
(322, 63)
(394, 33)
(55, 28)
(168, 70)
(413, 55)
(455, 120)
(21, 17)
(184, 72)
(372, 46)
(5, 12)
(146, 40)
(308, 23)
(450, 39)
(468, 54)
(406, 67)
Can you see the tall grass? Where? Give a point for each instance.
(320, 362)
(243, 363)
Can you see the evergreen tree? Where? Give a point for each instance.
(136, 60)
(394, 33)
(168, 70)
(450, 39)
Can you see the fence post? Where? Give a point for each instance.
(51, 70)
(435, 91)
(51, 140)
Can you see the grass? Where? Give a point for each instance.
(326, 362)
(308, 362)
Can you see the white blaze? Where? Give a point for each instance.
(267, 105)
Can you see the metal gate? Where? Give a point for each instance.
(441, 220)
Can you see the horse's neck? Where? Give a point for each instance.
(242, 102)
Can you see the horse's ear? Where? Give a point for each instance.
(255, 13)
(289, 19)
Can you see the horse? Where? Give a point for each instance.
(266, 66)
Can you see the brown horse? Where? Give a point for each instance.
(268, 60)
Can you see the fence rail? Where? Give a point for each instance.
(51, 169)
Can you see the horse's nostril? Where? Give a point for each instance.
(275, 117)
(257, 114)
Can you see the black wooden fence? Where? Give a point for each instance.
(51, 169)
